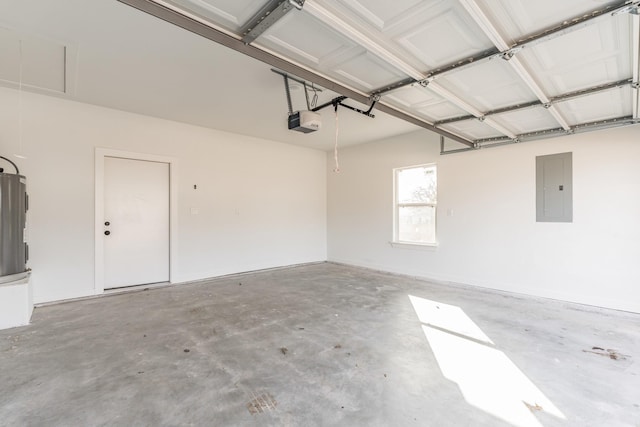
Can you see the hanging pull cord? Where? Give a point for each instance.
(335, 147)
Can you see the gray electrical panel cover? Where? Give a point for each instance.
(554, 189)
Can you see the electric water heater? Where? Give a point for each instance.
(13, 218)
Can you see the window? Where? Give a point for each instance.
(415, 205)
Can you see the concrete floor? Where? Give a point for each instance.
(321, 344)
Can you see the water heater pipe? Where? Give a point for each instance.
(13, 164)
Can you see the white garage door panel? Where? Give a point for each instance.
(528, 120)
(367, 71)
(325, 49)
(488, 86)
(472, 129)
(426, 103)
(300, 36)
(517, 19)
(605, 105)
(229, 14)
(587, 57)
(383, 14)
(426, 35)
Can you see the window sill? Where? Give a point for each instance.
(415, 246)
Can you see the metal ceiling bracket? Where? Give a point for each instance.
(297, 3)
(368, 112)
(357, 110)
(508, 54)
(397, 85)
(269, 14)
(337, 102)
(287, 91)
(295, 79)
(333, 102)
(632, 8)
(590, 90)
(374, 101)
(454, 119)
(306, 96)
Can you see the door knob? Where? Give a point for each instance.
(106, 233)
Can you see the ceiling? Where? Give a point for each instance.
(480, 72)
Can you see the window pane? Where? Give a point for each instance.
(417, 185)
(417, 224)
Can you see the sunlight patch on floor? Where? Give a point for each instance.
(487, 378)
(447, 317)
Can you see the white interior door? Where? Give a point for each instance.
(136, 222)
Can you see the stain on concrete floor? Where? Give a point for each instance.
(262, 403)
(610, 353)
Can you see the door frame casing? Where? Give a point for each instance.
(100, 154)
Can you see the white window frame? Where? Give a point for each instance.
(396, 242)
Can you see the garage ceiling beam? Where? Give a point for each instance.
(196, 27)
(548, 133)
(554, 100)
(268, 15)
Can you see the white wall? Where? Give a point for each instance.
(261, 203)
(280, 191)
(492, 239)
